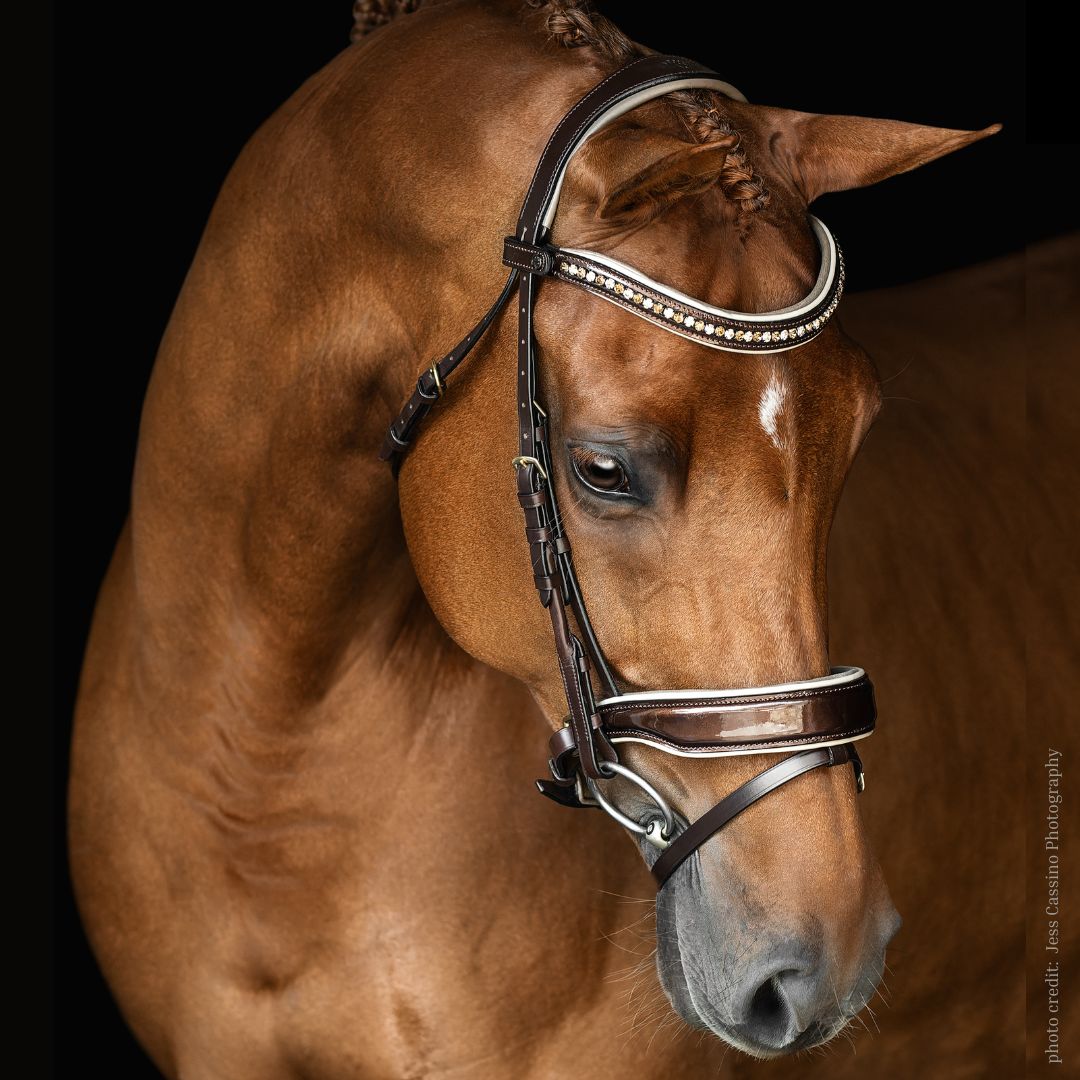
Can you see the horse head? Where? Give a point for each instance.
(699, 488)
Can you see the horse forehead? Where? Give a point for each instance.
(697, 390)
(618, 367)
(766, 408)
(704, 247)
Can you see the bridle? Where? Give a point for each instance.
(818, 720)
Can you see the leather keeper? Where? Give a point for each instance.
(531, 258)
(561, 744)
(533, 498)
(427, 387)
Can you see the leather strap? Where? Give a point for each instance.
(553, 569)
(549, 548)
(691, 838)
(674, 311)
(635, 77)
(708, 725)
(698, 726)
(429, 387)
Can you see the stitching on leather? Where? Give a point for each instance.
(593, 113)
(526, 252)
(525, 358)
(581, 705)
(778, 744)
(730, 346)
(558, 126)
(764, 699)
(565, 157)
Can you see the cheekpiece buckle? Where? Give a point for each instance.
(524, 459)
(437, 388)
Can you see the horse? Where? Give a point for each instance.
(313, 691)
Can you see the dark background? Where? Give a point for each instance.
(157, 100)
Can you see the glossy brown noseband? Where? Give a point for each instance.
(818, 720)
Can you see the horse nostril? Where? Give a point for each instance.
(789, 998)
(767, 1008)
(780, 1008)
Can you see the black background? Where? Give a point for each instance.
(157, 100)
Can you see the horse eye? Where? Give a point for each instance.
(603, 473)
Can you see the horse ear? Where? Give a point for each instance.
(835, 153)
(687, 171)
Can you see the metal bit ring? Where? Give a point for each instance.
(659, 838)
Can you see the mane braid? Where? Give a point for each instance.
(369, 15)
(574, 25)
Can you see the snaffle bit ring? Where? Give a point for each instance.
(659, 838)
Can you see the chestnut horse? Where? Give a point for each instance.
(315, 698)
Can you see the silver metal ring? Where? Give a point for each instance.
(657, 837)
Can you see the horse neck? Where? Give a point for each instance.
(265, 531)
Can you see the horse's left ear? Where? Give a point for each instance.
(835, 153)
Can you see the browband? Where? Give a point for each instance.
(672, 310)
(816, 720)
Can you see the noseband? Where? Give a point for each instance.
(817, 721)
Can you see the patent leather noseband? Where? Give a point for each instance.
(815, 721)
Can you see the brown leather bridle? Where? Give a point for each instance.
(819, 720)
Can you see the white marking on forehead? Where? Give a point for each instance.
(770, 407)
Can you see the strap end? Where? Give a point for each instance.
(392, 447)
(562, 793)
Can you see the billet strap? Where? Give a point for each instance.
(693, 836)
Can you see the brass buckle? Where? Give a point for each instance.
(434, 369)
(524, 459)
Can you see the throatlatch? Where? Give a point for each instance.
(816, 720)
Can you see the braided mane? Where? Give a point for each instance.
(369, 15)
(573, 25)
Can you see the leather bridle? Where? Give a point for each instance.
(817, 720)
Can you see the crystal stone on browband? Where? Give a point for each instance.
(695, 322)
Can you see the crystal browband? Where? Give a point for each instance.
(717, 328)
